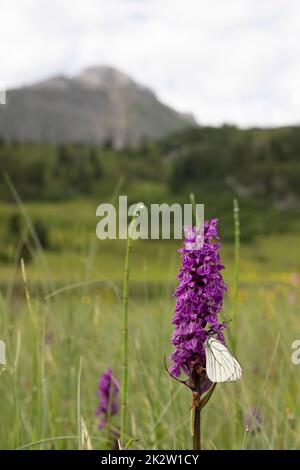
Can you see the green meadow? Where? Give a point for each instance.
(62, 326)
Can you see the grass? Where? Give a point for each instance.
(57, 349)
(90, 327)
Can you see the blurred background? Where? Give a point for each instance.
(154, 100)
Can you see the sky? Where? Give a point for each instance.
(225, 61)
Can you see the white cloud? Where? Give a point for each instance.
(226, 61)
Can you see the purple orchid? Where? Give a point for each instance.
(199, 301)
(108, 393)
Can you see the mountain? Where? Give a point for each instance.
(97, 105)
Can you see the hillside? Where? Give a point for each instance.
(260, 167)
(99, 104)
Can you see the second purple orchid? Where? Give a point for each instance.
(108, 394)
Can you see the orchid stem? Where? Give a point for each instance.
(197, 415)
(200, 404)
(197, 429)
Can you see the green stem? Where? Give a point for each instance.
(35, 356)
(79, 430)
(124, 387)
(125, 341)
(236, 220)
(194, 205)
(53, 439)
(207, 397)
(233, 338)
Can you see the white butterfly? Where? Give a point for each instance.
(221, 366)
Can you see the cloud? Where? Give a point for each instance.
(226, 61)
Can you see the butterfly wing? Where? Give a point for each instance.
(221, 366)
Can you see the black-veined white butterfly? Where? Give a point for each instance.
(221, 366)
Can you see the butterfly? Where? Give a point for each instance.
(221, 366)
